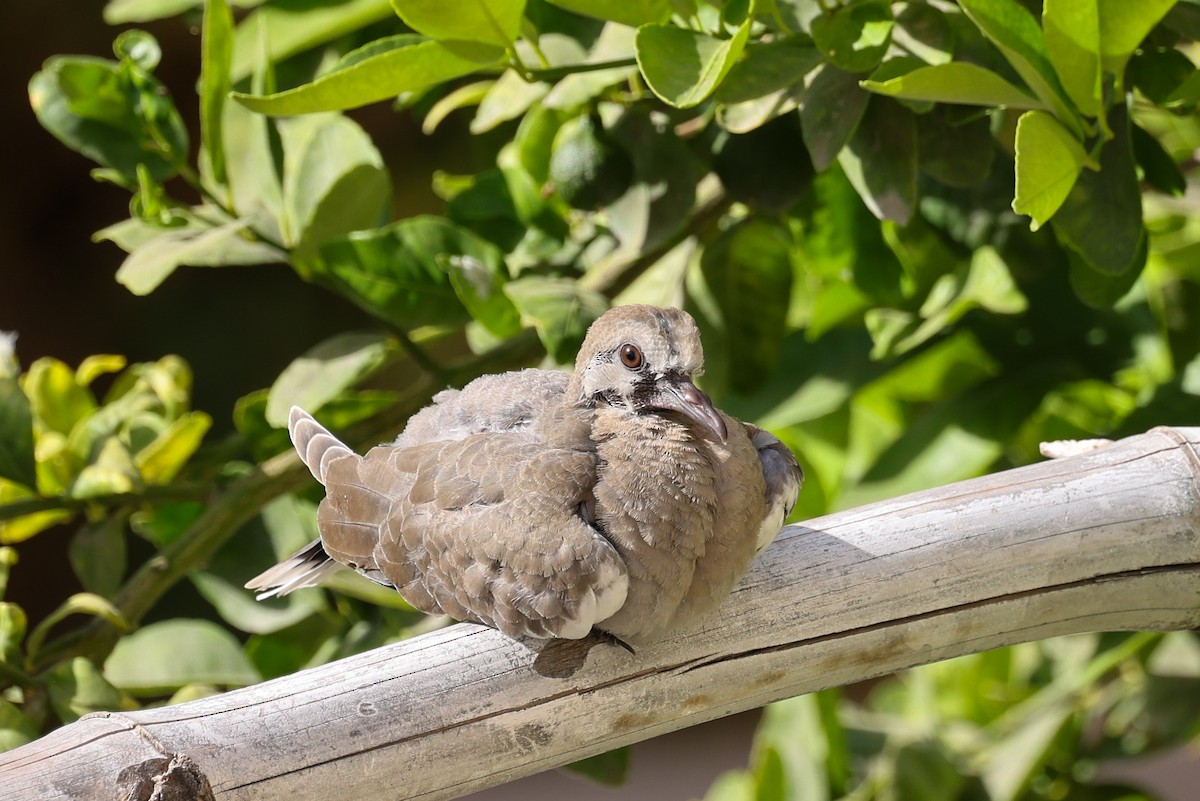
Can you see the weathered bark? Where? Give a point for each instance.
(1108, 540)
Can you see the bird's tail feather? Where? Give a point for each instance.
(305, 568)
(317, 447)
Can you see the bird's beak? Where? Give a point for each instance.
(681, 395)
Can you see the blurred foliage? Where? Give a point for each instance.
(920, 237)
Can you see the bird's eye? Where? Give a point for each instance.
(631, 356)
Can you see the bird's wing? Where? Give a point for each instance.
(492, 403)
(783, 478)
(490, 527)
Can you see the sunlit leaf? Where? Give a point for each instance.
(1073, 45)
(1049, 159)
(956, 82)
(1017, 34)
(494, 22)
(286, 27)
(627, 12)
(559, 309)
(324, 371)
(334, 183)
(403, 63)
(683, 67)
(855, 36)
(400, 272)
(162, 657)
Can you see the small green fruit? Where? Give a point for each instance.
(587, 169)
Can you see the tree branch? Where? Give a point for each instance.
(1106, 540)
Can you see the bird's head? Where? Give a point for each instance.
(642, 359)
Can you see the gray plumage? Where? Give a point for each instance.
(547, 504)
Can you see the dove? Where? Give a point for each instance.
(547, 504)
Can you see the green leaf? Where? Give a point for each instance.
(925, 32)
(57, 400)
(1048, 159)
(684, 67)
(334, 182)
(284, 28)
(462, 97)
(925, 771)
(833, 106)
(559, 309)
(1101, 219)
(610, 768)
(98, 555)
(952, 152)
(96, 365)
(509, 97)
(1124, 25)
(752, 170)
(325, 371)
(663, 192)
(480, 286)
(1159, 72)
(162, 657)
(216, 57)
(13, 621)
(854, 37)
(1158, 167)
(76, 688)
(196, 244)
(1013, 761)
(402, 63)
(767, 67)
(399, 272)
(8, 558)
(748, 269)
(16, 729)
(493, 22)
(22, 528)
(110, 472)
(119, 12)
(81, 603)
(1019, 37)
(627, 12)
(92, 106)
(1102, 290)
(161, 460)
(956, 82)
(16, 434)
(881, 160)
(1072, 34)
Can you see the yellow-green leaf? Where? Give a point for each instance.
(956, 82)
(1049, 159)
(162, 459)
(411, 65)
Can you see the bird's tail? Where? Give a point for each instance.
(318, 448)
(305, 568)
(310, 566)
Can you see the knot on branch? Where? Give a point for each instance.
(173, 778)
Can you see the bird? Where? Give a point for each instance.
(544, 504)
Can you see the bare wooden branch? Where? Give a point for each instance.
(1106, 540)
